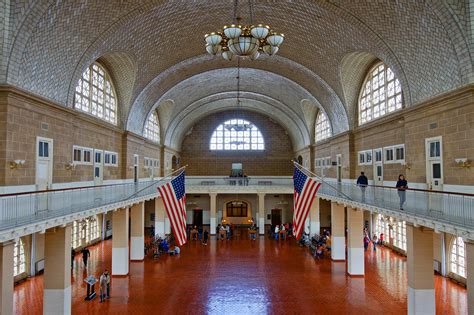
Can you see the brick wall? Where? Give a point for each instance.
(274, 160)
(450, 116)
(26, 117)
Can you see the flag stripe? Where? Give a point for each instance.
(174, 198)
(304, 194)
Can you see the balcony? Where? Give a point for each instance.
(26, 213)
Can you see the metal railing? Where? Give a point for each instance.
(25, 208)
(448, 207)
(20, 209)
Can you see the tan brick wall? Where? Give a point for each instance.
(274, 160)
(25, 116)
(450, 116)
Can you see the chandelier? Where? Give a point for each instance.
(244, 40)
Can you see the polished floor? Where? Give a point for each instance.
(246, 277)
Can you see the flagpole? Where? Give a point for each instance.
(158, 181)
(301, 167)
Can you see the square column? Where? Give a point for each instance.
(355, 242)
(261, 214)
(137, 241)
(315, 221)
(213, 213)
(6, 277)
(338, 249)
(57, 271)
(470, 275)
(421, 293)
(159, 217)
(120, 242)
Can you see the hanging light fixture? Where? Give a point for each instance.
(244, 40)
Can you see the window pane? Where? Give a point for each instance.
(323, 128)
(236, 134)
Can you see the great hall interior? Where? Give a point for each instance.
(103, 102)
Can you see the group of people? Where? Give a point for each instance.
(198, 233)
(225, 231)
(321, 244)
(375, 240)
(402, 186)
(281, 231)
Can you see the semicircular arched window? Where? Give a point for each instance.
(95, 94)
(458, 257)
(323, 128)
(237, 134)
(152, 128)
(381, 94)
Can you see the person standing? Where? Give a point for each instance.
(402, 186)
(277, 231)
(374, 241)
(102, 287)
(362, 182)
(73, 253)
(366, 242)
(107, 277)
(381, 239)
(85, 255)
(205, 237)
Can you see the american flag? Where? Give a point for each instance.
(305, 191)
(174, 199)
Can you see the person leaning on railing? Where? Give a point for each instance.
(402, 186)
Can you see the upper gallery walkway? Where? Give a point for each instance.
(26, 213)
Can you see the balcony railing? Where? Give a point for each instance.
(21, 209)
(445, 207)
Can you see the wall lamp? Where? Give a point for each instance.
(406, 165)
(16, 164)
(463, 162)
(70, 166)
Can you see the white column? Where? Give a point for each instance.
(261, 214)
(315, 222)
(213, 214)
(6, 277)
(120, 242)
(338, 248)
(470, 275)
(57, 271)
(421, 293)
(167, 224)
(159, 217)
(355, 242)
(137, 241)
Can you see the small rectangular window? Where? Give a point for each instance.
(114, 159)
(388, 155)
(369, 157)
(77, 155)
(87, 156)
(378, 156)
(361, 158)
(400, 154)
(98, 157)
(107, 158)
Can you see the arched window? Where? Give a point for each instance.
(19, 262)
(401, 235)
(458, 257)
(323, 128)
(95, 94)
(237, 134)
(92, 229)
(152, 128)
(380, 95)
(75, 235)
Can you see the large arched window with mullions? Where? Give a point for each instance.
(152, 128)
(322, 128)
(95, 94)
(237, 134)
(381, 94)
(458, 257)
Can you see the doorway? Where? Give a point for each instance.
(98, 167)
(378, 167)
(434, 163)
(276, 217)
(197, 217)
(44, 163)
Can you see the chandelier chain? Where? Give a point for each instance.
(236, 4)
(251, 11)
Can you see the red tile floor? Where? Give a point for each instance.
(245, 277)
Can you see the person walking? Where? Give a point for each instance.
(277, 231)
(107, 277)
(381, 239)
(362, 182)
(402, 186)
(85, 255)
(102, 287)
(205, 237)
(374, 241)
